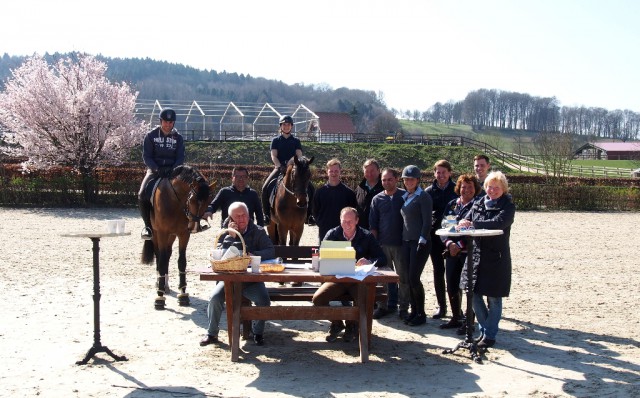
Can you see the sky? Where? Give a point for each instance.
(413, 53)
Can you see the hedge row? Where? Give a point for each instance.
(118, 187)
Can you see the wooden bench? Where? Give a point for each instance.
(297, 255)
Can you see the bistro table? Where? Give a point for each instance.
(469, 234)
(97, 345)
(361, 311)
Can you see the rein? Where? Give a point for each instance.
(292, 182)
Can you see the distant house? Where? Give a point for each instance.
(609, 151)
(333, 127)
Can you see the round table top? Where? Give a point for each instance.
(470, 232)
(88, 234)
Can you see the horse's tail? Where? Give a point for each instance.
(147, 252)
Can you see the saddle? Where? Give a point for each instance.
(150, 189)
(272, 188)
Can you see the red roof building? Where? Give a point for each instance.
(609, 151)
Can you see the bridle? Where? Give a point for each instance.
(191, 217)
(297, 190)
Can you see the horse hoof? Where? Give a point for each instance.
(183, 299)
(159, 303)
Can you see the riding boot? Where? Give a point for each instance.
(456, 320)
(441, 297)
(145, 212)
(310, 192)
(266, 206)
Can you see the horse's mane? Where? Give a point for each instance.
(189, 174)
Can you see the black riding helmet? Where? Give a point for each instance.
(168, 114)
(286, 119)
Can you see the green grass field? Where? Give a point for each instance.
(623, 164)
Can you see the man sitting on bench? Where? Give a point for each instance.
(258, 244)
(367, 251)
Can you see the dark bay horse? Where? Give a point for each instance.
(178, 205)
(289, 209)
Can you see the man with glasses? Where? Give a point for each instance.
(239, 191)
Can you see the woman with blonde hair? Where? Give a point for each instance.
(491, 276)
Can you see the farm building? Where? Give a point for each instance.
(609, 151)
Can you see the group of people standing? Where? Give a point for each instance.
(386, 224)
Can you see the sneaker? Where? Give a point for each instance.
(350, 334)
(380, 312)
(146, 233)
(403, 314)
(334, 332)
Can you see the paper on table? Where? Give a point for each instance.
(362, 271)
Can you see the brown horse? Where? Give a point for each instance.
(178, 205)
(289, 209)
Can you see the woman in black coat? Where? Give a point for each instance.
(491, 255)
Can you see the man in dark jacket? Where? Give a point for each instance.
(370, 186)
(331, 198)
(442, 192)
(238, 191)
(162, 151)
(368, 251)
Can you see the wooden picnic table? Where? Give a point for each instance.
(361, 311)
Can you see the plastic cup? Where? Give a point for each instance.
(112, 226)
(217, 254)
(120, 226)
(255, 264)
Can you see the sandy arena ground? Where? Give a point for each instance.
(570, 328)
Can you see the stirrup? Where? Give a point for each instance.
(146, 233)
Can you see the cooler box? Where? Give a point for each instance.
(337, 258)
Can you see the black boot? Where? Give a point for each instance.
(145, 212)
(266, 206)
(456, 317)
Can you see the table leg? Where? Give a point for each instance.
(97, 345)
(468, 343)
(363, 306)
(235, 334)
(228, 298)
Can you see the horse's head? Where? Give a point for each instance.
(299, 175)
(200, 195)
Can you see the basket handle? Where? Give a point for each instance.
(223, 230)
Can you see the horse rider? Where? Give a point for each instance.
(163, 149)
(283, 148)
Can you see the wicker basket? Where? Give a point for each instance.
(231, 265)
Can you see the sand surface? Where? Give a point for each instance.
(570, 328)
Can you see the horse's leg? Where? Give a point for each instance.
(183, 296)
(283, 231)
(161, 269)
(163, 252)
(296, 235)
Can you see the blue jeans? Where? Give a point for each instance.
(488, 318)
(255, 292)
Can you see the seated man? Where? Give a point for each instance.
(367, 251)
(258, 244)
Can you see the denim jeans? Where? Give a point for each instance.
(255, 292)
(488, 318)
